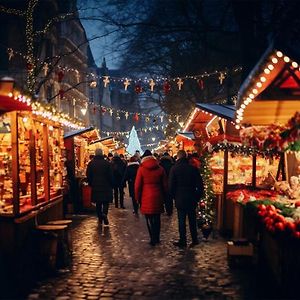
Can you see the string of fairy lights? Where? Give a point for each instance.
(139, 83)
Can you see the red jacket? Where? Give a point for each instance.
(151, 186)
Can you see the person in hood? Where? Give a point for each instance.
(150, 192)
(129, 176)
(118, 167)
(186, 187)
(166, 162)
(100, 179)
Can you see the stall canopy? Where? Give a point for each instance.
(88, 133)
(271, 93)
(8, 104)
(108, 142)
(213, 121)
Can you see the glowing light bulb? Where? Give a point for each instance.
(267, 71)
(274, 60)
(286, 59)
(254, 91)
(279, 54)
(263, 79)
(271, 67)
(259, 84)
(294, 64)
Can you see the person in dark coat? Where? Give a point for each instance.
(186, 187)
(118, 167)
(100, 179)
(150, 192)
(129, 176)
(166, 162)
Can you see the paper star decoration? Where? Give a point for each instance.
(126, 84)
(152, 84)
(180, 84)
(221, 78)
(106, 81)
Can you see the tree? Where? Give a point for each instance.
(134, 143)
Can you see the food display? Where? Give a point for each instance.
(56, 157)
(217, 167)
(6, 184)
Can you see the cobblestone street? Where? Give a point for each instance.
(116, 262)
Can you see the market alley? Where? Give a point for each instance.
(116, 262)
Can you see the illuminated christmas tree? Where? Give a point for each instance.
(134, 142)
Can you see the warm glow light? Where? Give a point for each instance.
(238, 121)
(254, 91)
(294, 64)
(10, 95)
(237, 126)
(83, 110)
(271, 67)
(263, 79)
(286, 59)
(259, 84)
(274, 60)
(279, 54)
(251, 96)
(51, 128)
(267, 71)
(25, 119)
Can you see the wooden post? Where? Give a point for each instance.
(225, 183)
(15, 162)
(46, 163)
(32, 167)
(254, 170)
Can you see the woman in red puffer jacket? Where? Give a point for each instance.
(151, 191)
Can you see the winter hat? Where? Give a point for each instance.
(116, 154)
(147, 153)
(98, 151)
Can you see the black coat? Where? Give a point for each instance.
(118, 167)
(129, 176)
(100, 179)
(166, 162)
(185, 185)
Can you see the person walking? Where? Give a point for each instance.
(166, 162)
(150, 192)
(186, 187)
(100, 179)
(118, 167)
(129, 176)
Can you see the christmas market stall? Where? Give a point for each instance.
(186, 141)
(32, 170)
(78, 154)
(268, 115)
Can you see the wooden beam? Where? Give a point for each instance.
(15, 162)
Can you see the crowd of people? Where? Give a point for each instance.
(155, 183)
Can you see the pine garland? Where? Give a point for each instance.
(207, 203)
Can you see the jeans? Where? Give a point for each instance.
(119, 191)
(191, 214)
(153, 224)
(102, 209)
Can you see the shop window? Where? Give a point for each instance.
(6, 184)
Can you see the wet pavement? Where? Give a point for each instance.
(117, 262)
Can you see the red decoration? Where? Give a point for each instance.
(61, 93)
(201, 84)
(103, 110)
(166, 87)
(136, 117)
(94, 110)
(29, 66)
(60, 75)
(138, 88)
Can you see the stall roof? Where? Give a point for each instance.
(221, 110)
(77, 132)
(10, 104)
(271, 92)
(102, 140)
(189, 135)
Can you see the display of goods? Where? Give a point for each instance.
(279, 219)
(245, 195)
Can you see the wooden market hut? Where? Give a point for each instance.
(270, 96)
